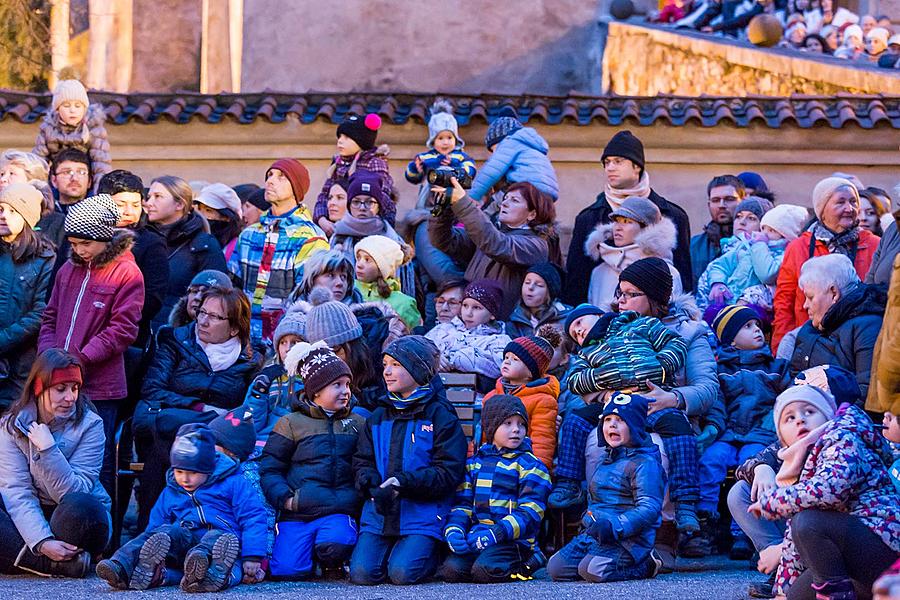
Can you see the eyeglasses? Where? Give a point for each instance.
(363, 203)
(450, 303)
(212, 317)
(627, 295)
(72, 173)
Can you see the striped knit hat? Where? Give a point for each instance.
(536, 351)
(730, 320)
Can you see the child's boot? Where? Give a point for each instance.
(741, 548)
(209, 569)
(150, 570)
(841, 589)
(112, 573)
(686, 517)
(702, 543)
(566, 494)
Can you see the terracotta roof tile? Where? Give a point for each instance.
(866, 111)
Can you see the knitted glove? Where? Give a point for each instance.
(456, 540)
(600, 529)
(384, 499)
(485, 538)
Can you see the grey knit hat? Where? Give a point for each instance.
(292, 323)
(418, 355)
(211, 277)
(330, 321)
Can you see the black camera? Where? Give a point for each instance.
(440, 176)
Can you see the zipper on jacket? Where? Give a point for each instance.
(199, 508)
(77, 306)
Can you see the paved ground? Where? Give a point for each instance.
(716, 578)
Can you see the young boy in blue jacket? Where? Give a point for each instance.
(410, 458)
(499, 507)
(207, 517)
(625, 504)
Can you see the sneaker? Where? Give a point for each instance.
(566, 494)
(224, 554)
(150, 570)
(112, 573)
(741, 548)
(656, 564)
(196, 565)
(686, 518)
(766, 589)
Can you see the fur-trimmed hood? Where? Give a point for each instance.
(684, 307)
(122, 241)
(658, 239)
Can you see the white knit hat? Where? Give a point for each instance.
(219, 196)
(386, 253)
(786, 219)
(879, 33)
(69, 90)
(825, 188)
(442, 119)
(811, 394)
(851, 32)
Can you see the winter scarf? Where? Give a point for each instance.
(360, 227)
(837, 243)
(615, 197)
(794, 456)
(401, 403)
(221, 356)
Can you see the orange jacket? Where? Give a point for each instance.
(540, 400)
(788, 301)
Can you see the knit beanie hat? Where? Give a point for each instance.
(754, 204)
(362, 130)
(365, 183)
(753, 181)
(219, 196)
(69, 90)
(442, 119)
(825, 188)
(729, 321)
(638, 209)
(853, 31)
(25, 199)
(632, 409)
(194, 449)
(652, 276)
(245, 190)
(580, 311)
(551, 275)
(812, 394)
(536, 351)
(210, 278)
(258, 199)
(316, 364)
(330, 321)
(498, 409)
(786, 219)
(292, 323)
(486, 291)
(505, 124)
(296, 173)
(418, 355)
(625, 145)
(837, 381)
(93, 218)
(235, 432)
(386, 253)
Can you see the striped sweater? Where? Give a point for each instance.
(508, 487)
(633, 350)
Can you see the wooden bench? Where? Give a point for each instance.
(463, 395)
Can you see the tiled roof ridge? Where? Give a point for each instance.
(865, 110)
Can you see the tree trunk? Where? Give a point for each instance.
(59, 38)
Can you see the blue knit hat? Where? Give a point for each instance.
(837, 381)
(729, 320)
(753, 181)
(235, 432)
(501, 127)
(632, 409)
(551, 275)
(580, 311)
(194, 449)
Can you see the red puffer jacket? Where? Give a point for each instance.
(94, 312)
(788, 301)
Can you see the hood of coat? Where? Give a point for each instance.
(556, 311)
(122, 241)
(658, 239)
(610, 454)
(224, 467)
(683, 307)
(544, 385)
(488, 449)
(863, 299)
(851, 420)
(301, 404)
(746, 359)
(529, 136)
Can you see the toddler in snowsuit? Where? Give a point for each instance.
(498, 509)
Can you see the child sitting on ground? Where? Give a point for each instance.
(306, 467)
(523, 374)
(205, 492)
(356, 152)
(73, 122)
(498, 509)
(377, 260)
(625, 505)
(445, 149)
(474, 342)
(409, 460)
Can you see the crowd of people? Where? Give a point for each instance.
(814, 26)
(278, 370)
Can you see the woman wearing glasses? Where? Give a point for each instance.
(200, 371)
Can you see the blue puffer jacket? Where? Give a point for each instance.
(424, 447)
(749, 399)
(226, 501)
(628, 488)
(519, 157)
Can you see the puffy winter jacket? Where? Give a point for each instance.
(742, 265)
(89, 136)
(520, 324)
(505, 487)
(31, 478)
(424, 447)
(23, 292)
(477, 351)
(493, 252)
(749, 400)
(706, 247)
(697, 382)
(309, 456)
(404, 305)
(342, 168)
(151, 257)
(94, 312)
(847, 336)
(884, 391)
(226, 501)
(883, 260)
(519, 157)
(788, 302)
(540, 400)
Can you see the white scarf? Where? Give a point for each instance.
(615, 197)
(221, 356)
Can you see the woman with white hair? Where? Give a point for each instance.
(836, 230)
(845, 317)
